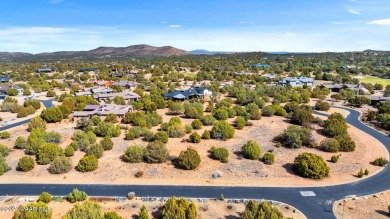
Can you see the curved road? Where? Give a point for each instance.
(46, 103)
(318, 206)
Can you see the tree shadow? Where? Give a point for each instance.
(134, 216)
(289, 168)
(156, 214)
(385, 213)
(231, 217)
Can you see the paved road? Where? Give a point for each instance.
(318, 206)
(46, 103)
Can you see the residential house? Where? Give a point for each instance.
(378, 99)
(244, 73)
(103, 110)
(101, 90)
(132, 85)
(87, 69)
(128, 96)
(259, 65)
(187, 93)
(297, 81)
(44, 70)
(103, 83)
(4, 89)
(357, 88)
(5, 79)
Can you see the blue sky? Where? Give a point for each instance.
(220, 25)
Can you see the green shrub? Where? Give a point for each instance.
(143, 214)
(360, 173)
(111, 117)
(268, 158)
(20, 143)
(133, 133)
(195, 138)
(302, 116)
(88, 163)
(178, 208)
(261, 210)
(44, 197)
(111, 215)
(206, 134)
(25, 164)
(268, 111)
(310, 165)
(36, 122)
(188, 159)
(335, 158)
(161, 136)
(330, 145)
(335, 125)
(44, 211)
(12, 92)
(222, 130)
(221, 114)
(322, 106)
(34, 103)
(60, 165)
(239, 122)
(51, 93)
(107, 143)
(156, 152)
(96, 150)
(134, 154)
(47, 152)
(175, 108)
(22, 113)
(85, 210)
(176, 131)
(52, 115)
(5, 135)
(77, 196)
(174, 121)
(381, 161)
(346, 143)
(188, 128)
(295, 137)
(107, 129)
(4, 150)
(69, 151)
(208, 120)
(221, 154)
(196, 124)
(251, 150)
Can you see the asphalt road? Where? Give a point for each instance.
(46, 103)
(316, 207)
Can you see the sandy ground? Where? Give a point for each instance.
(370, 206)
(130, 208)
(236, 172)
(11, 118)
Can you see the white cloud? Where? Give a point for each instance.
(380, 22)
(174, 26)
(352, 11)
(164, 22)
(246, 22)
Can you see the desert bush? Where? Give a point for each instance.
(302, 115)
(346, 143)
(52, 115)
(195, 138)
(176, 131)
(268, 158)
(206, 134)
(134, 154)
(4, 150)
(220, 114)
(47, 152)
(335, 126)
(35, 103)
(45, 213)
(111, 117)
(381, 161)
(36, 122)
(330, 145)
(239, 122)
(322, 106)
(223, 130)
(143, 214)
(25, 164)
(139, 174)
(268, 111)
(193, 112)
(178, 208)
(208, 120)
(133, 133)
(360, 173)
(12, 92)
(188, 128)
(20, 143)
(161, 136)
(107, 143)
(175, 108)
(294, 137)
(188, 159)
(196, 124)
(88, 163)
(22, 113)
(156, 152)
(69, 151)
(85, 210)
(310, 165)
(51, 93)
(261, 210)
(107, 129)
(221, 154)
(44, 197)
(95, 150)
(335, 158)
(60, 165)
(77, 196)
(251, 150)
(5, 135)
(148, 135)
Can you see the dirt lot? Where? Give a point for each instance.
(370, 206)
(128, 209)
(236, 172)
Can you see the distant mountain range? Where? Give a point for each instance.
(101, 52)
(206, 52)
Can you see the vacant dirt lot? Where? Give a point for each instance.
(236, 172)
(370, 206)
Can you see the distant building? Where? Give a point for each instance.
(338, 87)
(378, 99)
(44, 70)
(188, 93)
(87, 69)
(297, 81)
(132, 85)
(128, 96)
(103, 83)
(259, 65)
(4, 89)
(103, 110)
(5, 79)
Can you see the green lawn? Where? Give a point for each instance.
(374, 80)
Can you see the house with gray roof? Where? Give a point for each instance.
(4, 89)
(296, 81)
(132, 85)
(5, 79)
(187, 93)
(127, 95)
(103, 110)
